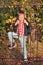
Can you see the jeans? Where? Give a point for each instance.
(22, 39)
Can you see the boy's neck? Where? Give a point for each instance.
(21, 21)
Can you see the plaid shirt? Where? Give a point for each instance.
(20, 29)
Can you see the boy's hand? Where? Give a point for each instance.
(16, 22)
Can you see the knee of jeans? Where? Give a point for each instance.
(9, 33)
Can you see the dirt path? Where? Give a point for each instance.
(14, 56)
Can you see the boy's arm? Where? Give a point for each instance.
(16, 22)
(26, 22)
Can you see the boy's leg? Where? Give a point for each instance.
(25, 50)
(23, 44)
(11, 36)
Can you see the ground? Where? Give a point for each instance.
(15, 57)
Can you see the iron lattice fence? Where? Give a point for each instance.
(37, 57)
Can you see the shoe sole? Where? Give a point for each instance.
(25, 60)
(12, 47)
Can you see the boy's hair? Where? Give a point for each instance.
(21, 12)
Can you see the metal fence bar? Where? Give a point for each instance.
(18, 4)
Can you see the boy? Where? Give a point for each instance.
(20, 32)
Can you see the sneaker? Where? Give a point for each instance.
(13, 46)
(26, 60)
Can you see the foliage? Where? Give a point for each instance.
(9, 13)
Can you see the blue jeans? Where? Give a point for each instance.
(22, 39)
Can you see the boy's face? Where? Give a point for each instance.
(21, 17)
